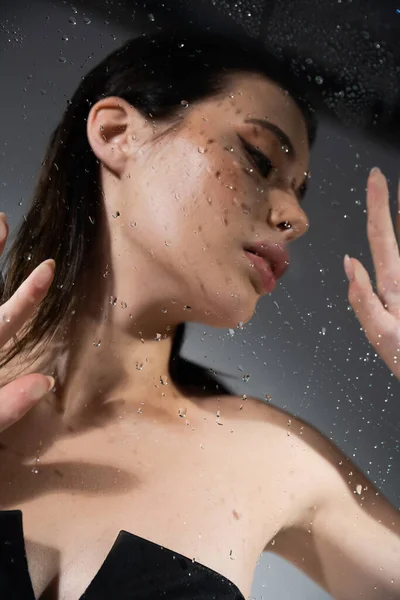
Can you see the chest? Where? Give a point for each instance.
(216, 493)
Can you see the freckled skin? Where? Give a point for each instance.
(171, 188)
(181, 201)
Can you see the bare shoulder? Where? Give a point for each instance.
(318, 465)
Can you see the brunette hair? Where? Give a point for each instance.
(154, 73)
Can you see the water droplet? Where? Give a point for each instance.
(113, 300)
(72, 20)
(182, 412)
(86, 20)
(158, 337)
(91, 220)
(164, 380)
(184, 103)
(6, 319)
(319, 79)
(151, 17)
(164, 309)
(139, 366)
(62, 59)
(34, 470)
(231, 332)
(65, 38)
(246, 377)
(132, 223)
(28, 256)
(97, 343)
(124, 305)
(201, 150)
(116, 214)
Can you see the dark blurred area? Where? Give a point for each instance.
(347, 52)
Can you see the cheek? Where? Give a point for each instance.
(236, 192)
(193, 194)
(172, 188)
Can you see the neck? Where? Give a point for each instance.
(112, 355)
(107, 365)
(114, 365)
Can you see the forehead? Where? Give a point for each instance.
(255, 96)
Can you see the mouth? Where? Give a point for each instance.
(270, 261)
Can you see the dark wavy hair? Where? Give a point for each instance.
(153, 73)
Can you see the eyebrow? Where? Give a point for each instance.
(277, 131)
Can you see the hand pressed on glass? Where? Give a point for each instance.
(18, 396)
(379, 313)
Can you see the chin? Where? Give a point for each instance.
(230, 311)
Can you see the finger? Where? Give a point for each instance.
(19, 396)
(3, 231)
(383, 242)
(398, 212)
(374, 318)
(17, 310)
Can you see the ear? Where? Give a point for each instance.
(115, 132)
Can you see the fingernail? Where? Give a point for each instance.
(43, 273)
(3, 228)
(41, 388)
(348, 267)
(51, 381)
(375, 171)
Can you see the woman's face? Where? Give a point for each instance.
(193, 195)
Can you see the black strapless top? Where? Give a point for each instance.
(134, 569)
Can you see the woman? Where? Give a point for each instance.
(170, 192)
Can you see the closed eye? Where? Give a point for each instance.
(257, 158)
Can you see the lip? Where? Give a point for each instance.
(271, 260)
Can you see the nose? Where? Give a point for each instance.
(286, 215)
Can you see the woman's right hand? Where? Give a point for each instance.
(18, 396)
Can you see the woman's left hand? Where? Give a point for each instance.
(379, 314)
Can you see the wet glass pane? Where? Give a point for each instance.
(224, 418)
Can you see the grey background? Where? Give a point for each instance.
(304, 347)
